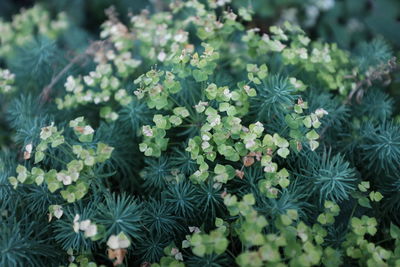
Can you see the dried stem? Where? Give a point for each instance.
(91, 50)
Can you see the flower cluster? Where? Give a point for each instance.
(74, 180)
(24, 26)
(6, 81)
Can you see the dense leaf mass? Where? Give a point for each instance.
(192, 134)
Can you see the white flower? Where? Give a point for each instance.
(28, 151)
(250, 143)
(205, 137)
(205, 145)
(258, 124)
(321, 112)
(147, 131)
(88, 96)
(47, 131)
(270, 168)
(181, 36)
(162, 56)
(178, 256)
(113, 242)
(76, 223)
(120, 241)
(87, 130)
(88, 80)
(97, 100)
(84, 225)
(227, 93)
(215, 121)
(64, 178)
(246, 88)
(91, 230)
(325, 4)
(223, 2)
(58, 212)
(70, 84)
(106, 98)
(200, 107)
(194, 229)
(303, 53)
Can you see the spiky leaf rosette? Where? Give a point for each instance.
(38, 199)
(209, 200)
(64, 231)
(7, 167)
(25, 117)
(370, 55)
(180, 197)
(35, 62)
(274, 95)
(182, 161)
(327, 176)
(134, 115)
(292, 198)
(380, 147)
(375, 106)
(24, 244)
(120, 213)
(210, 260)
(249, 182)
(338, 114)
(151, 248)
(124, 159)
(156, 173)
(389, 186)
(159, 218)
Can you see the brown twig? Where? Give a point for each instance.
(372, 75)
(377, 73)
(91, 50)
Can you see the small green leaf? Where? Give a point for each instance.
(199, 250)
(313, 145)
(200, 75)
(364, 202)
(312, 135)
(394, 231)
(39, 156)
(283, 152)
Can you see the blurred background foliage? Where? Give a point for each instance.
(349, 23)
(346, 22)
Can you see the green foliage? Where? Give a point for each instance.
(328, 176)
(185, 136)
(274, 96)
(120, 213)
(22, 244)
(381, 147)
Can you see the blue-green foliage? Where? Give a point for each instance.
(275, 94)
(35, 63)
(380, 150)
(22, 244)
(153, 200)
(327, 176)
(63, 229)
(212, 260)
(120, 213)
(377, 105)
(181, 198)
(156, 173)
(209, 200)
(159, 218)
(373, 54)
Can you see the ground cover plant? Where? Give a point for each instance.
(190, 137)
